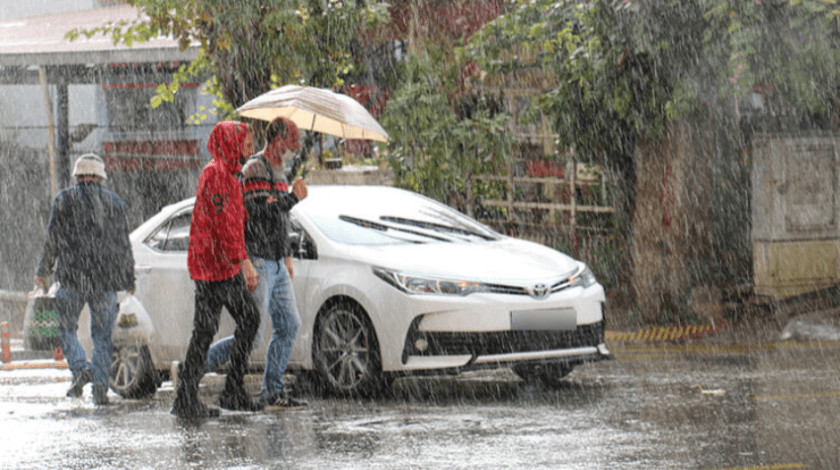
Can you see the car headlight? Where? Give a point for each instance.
(583, 278)
(416, 284)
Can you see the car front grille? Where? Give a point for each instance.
(518, 290)
(500, 342)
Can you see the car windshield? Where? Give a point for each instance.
(383, 216)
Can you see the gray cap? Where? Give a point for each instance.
(90, 164)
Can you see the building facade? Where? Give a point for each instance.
(60, 99)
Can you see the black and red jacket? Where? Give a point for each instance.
(267, 225)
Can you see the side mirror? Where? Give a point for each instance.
(301, 244)
(307, 249)
(294, 242)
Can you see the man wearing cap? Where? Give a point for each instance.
(87, 245)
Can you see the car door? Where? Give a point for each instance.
(305, 255)
(164, 286)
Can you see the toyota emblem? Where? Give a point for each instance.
(539, 291)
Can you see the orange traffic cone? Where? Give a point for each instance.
(7, 351)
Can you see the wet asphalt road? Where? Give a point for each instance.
(771, 406)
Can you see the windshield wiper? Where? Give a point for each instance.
(436, 227)
(384, 227)
(364, 223)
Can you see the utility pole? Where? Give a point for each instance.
(48, 108)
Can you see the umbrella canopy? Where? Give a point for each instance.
(316, 109)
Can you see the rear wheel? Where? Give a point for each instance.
(550, 375)
(133, 374)
(346, 352)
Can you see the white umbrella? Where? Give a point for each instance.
(316, 109)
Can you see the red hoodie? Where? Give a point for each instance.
(217, 230)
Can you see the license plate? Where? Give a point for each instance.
(549, 319)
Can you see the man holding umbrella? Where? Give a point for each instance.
(268, 201)
(288, 108)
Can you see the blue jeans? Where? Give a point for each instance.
(103, 312)
(275, 297)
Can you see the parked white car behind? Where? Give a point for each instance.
(388, 283)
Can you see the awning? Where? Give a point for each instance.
(39, 40)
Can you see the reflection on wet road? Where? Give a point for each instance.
(665, 406)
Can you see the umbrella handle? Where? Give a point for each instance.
(296, 165)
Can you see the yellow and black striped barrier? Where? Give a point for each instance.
(663, 333)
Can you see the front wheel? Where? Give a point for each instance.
(346, 352)
(133, 374)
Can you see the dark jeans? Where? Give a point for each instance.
(210, 297)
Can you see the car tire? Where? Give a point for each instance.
(133, 374)
(550, 375)
(346, 353)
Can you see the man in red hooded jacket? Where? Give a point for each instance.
(223, 274)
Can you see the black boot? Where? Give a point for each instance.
(192, 408)
(81, 379)
(100, 396)
(234, 397)
(187, 404)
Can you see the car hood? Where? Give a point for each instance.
(506, 260)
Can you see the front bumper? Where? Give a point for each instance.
(472, 350)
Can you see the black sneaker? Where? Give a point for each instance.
(79, 381)
(100, 397)
(283, 403)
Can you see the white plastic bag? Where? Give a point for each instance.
(133, 324)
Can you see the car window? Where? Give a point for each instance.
(173, 235)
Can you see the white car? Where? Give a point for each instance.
(388, 283)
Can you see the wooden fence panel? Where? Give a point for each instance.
(542, 209)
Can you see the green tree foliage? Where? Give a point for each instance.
(440, 138)
(624, 69)
(786, 50)
(251, 46)
(627, 67)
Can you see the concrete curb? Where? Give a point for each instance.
(28, 359)
(19, 365)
